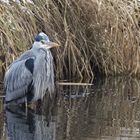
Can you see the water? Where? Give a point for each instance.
(109, 110)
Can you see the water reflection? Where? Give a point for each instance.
(109, 110)
(22, 125)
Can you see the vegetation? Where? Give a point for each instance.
(96, 36)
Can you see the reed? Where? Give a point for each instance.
(95, 36)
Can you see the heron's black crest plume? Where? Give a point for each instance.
(42, 36)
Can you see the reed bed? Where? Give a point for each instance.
(96, 36)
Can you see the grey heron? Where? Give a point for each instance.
(31, 75)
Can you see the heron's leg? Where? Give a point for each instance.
(39, 106)
(26, 106)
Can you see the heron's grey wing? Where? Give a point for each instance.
(24, 56)
(17, 79)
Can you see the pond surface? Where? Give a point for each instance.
(108, 110)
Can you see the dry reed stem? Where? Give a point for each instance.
(96, 36)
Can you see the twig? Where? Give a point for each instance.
(74, 84)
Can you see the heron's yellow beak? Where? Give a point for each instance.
(51, 45)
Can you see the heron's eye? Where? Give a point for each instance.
(42, 41)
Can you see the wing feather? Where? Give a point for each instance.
(24, 56)
(17, 80)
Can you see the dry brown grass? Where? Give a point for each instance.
(94, 35)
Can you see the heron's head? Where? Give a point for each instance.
(42, 41)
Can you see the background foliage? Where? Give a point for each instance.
(96, 36)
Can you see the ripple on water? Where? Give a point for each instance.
(109, 110)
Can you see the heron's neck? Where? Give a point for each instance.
(36, 44)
